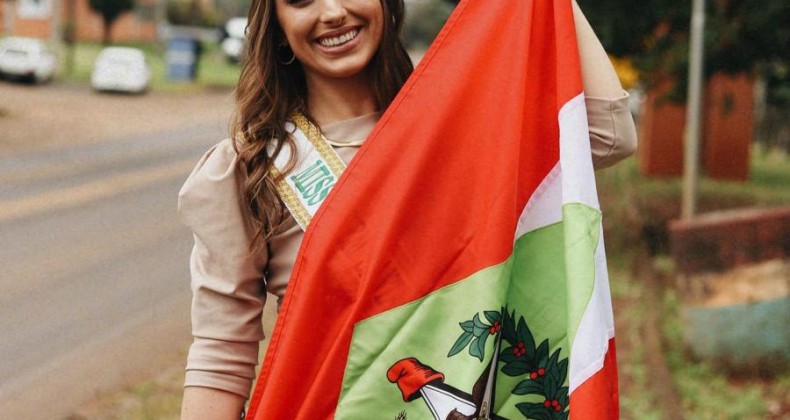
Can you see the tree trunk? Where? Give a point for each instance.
(107, 27)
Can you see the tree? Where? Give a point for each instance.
(110, 10)
(741, 36)
(424, 20)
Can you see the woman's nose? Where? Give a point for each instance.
(333, 12)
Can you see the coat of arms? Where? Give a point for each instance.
(515, 354)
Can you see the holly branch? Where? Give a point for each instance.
(543, 374)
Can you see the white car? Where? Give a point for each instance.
(121, 69)
(26, 59)
(232, 44)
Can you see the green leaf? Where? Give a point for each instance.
(509, 328)
(562, 396)
(553, 360)
(534, 411)
(563, 415)
(493, 316)
(467, 326)
(562, 370)
(524, 334)
(542, 353)
(506, 355)
(481, 345)
(528, 386)
(479, 327)
(550, 386)
(460, 344)
(515, 368)
(474, 350)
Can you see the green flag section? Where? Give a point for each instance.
(531, 284)
(457, 266)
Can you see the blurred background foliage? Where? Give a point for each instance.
(424, 20)
(741, 36)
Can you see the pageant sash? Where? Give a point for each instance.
(317, 170)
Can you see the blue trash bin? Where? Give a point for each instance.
(181, 58)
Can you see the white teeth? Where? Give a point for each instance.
(339, 40)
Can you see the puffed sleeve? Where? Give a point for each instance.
(612, 131)
(227, 282)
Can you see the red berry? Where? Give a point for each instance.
(541, 372)
(498, 328)
(555, 403)
(558, 407)
(533, 376)
(547, 403)
(492, 330)
(521, 344)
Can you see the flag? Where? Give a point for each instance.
(458, 265)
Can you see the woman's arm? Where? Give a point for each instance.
(598, 76)
(227, 289)
(612, 131)
(210, 404)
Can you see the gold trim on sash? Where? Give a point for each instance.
(303, 211)
(320, 143)
(298, 211)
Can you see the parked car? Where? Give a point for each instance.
(233, 38)
(121, 69)
(26, 59)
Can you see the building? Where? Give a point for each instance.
(36, 18)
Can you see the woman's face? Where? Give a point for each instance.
(331, 38)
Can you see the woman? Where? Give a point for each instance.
(339, 63)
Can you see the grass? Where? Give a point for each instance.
(636, 210)
(158, 399)
(636, 399)
(633, 205)
(706, 392)
(214, 71)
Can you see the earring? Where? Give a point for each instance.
(281, 55)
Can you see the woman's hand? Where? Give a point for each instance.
(598, 76)
(210, 404)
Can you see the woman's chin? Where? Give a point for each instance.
(343, 69)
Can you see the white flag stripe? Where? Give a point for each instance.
(578, 176)
(572, 180)
(545, 206)
(596, 327)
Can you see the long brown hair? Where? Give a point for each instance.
(269, 91)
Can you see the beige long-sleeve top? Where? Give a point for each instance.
(229, 286)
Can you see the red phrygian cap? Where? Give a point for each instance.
(411, 376)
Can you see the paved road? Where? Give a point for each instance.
(94, 286)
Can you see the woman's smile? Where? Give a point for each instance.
(332, 41)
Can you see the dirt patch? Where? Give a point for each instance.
(55, 115)
(760, 282)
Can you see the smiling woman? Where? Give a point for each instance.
(318, 76)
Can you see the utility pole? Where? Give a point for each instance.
(56, 36)
(693, 111)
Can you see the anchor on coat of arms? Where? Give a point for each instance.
(543, 375)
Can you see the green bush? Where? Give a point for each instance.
(424, 19)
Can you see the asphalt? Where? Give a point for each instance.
(94, 281)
